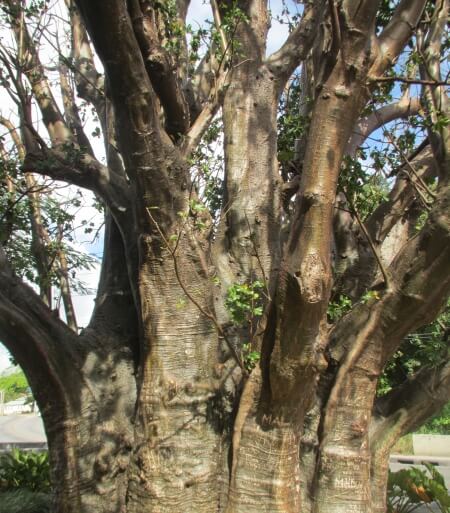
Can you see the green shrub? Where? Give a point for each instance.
(25, 469)
(15, 385)
(24, 501)
(408, 489)
(439, 424)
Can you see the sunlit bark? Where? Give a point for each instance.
(152, 408)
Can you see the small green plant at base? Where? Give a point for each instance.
(408, 489)
(25, 469)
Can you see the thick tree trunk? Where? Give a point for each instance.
(150, 408)
(90, 443)
(105, 462)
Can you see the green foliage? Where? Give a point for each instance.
(207, 169)
(15, 385)
(385, 12)
(25, 501)
(439, 424)
(291, 124)
(25, 469)
(174, 30)
(338, 308)
(243, 301)
(250, 357)
(287, 15)
(232, 15)
(57, 220)
(364, 188)
(30, 9)
(369, 295)
(426, 347)
(408, 489)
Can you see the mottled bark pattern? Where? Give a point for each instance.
(151, 409)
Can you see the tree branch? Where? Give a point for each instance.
(402, 109)
(71, 111)
(387, 214)
(420, 286)
(161, 69)
(397, 33)
(436, 97)
(39, 234)
(415, 400)
(28, 60)
(407, 80)
(79, 168)
(296, 47)
(111, 30)
(421, 278)
(205, 117)
(374, 249)
(42, 344)
(218, 24)
(89, 81)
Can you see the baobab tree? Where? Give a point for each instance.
(232, 359)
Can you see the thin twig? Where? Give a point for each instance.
(407, 80)
(411, 167)
(412, 155)
(384, 272)
(255, 249)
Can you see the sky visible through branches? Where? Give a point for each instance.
(199, 13)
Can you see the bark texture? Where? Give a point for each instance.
(153, 407)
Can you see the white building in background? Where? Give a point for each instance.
(22, 405)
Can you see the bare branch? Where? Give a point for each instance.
(296, 47)
(436, 97)
(384, 272)
(419, 397)
(71, 111)
(64, 285)
(359, 264)
(402, 109)
(205, 117)
(42, 344)
(161, 70)
(203, 81)
(407, 80)
(39, 233)
(88, 80)
(30, 63)
(397, 33)
(402, 195)
(420, 283)
(79, 168)
(410, 166)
